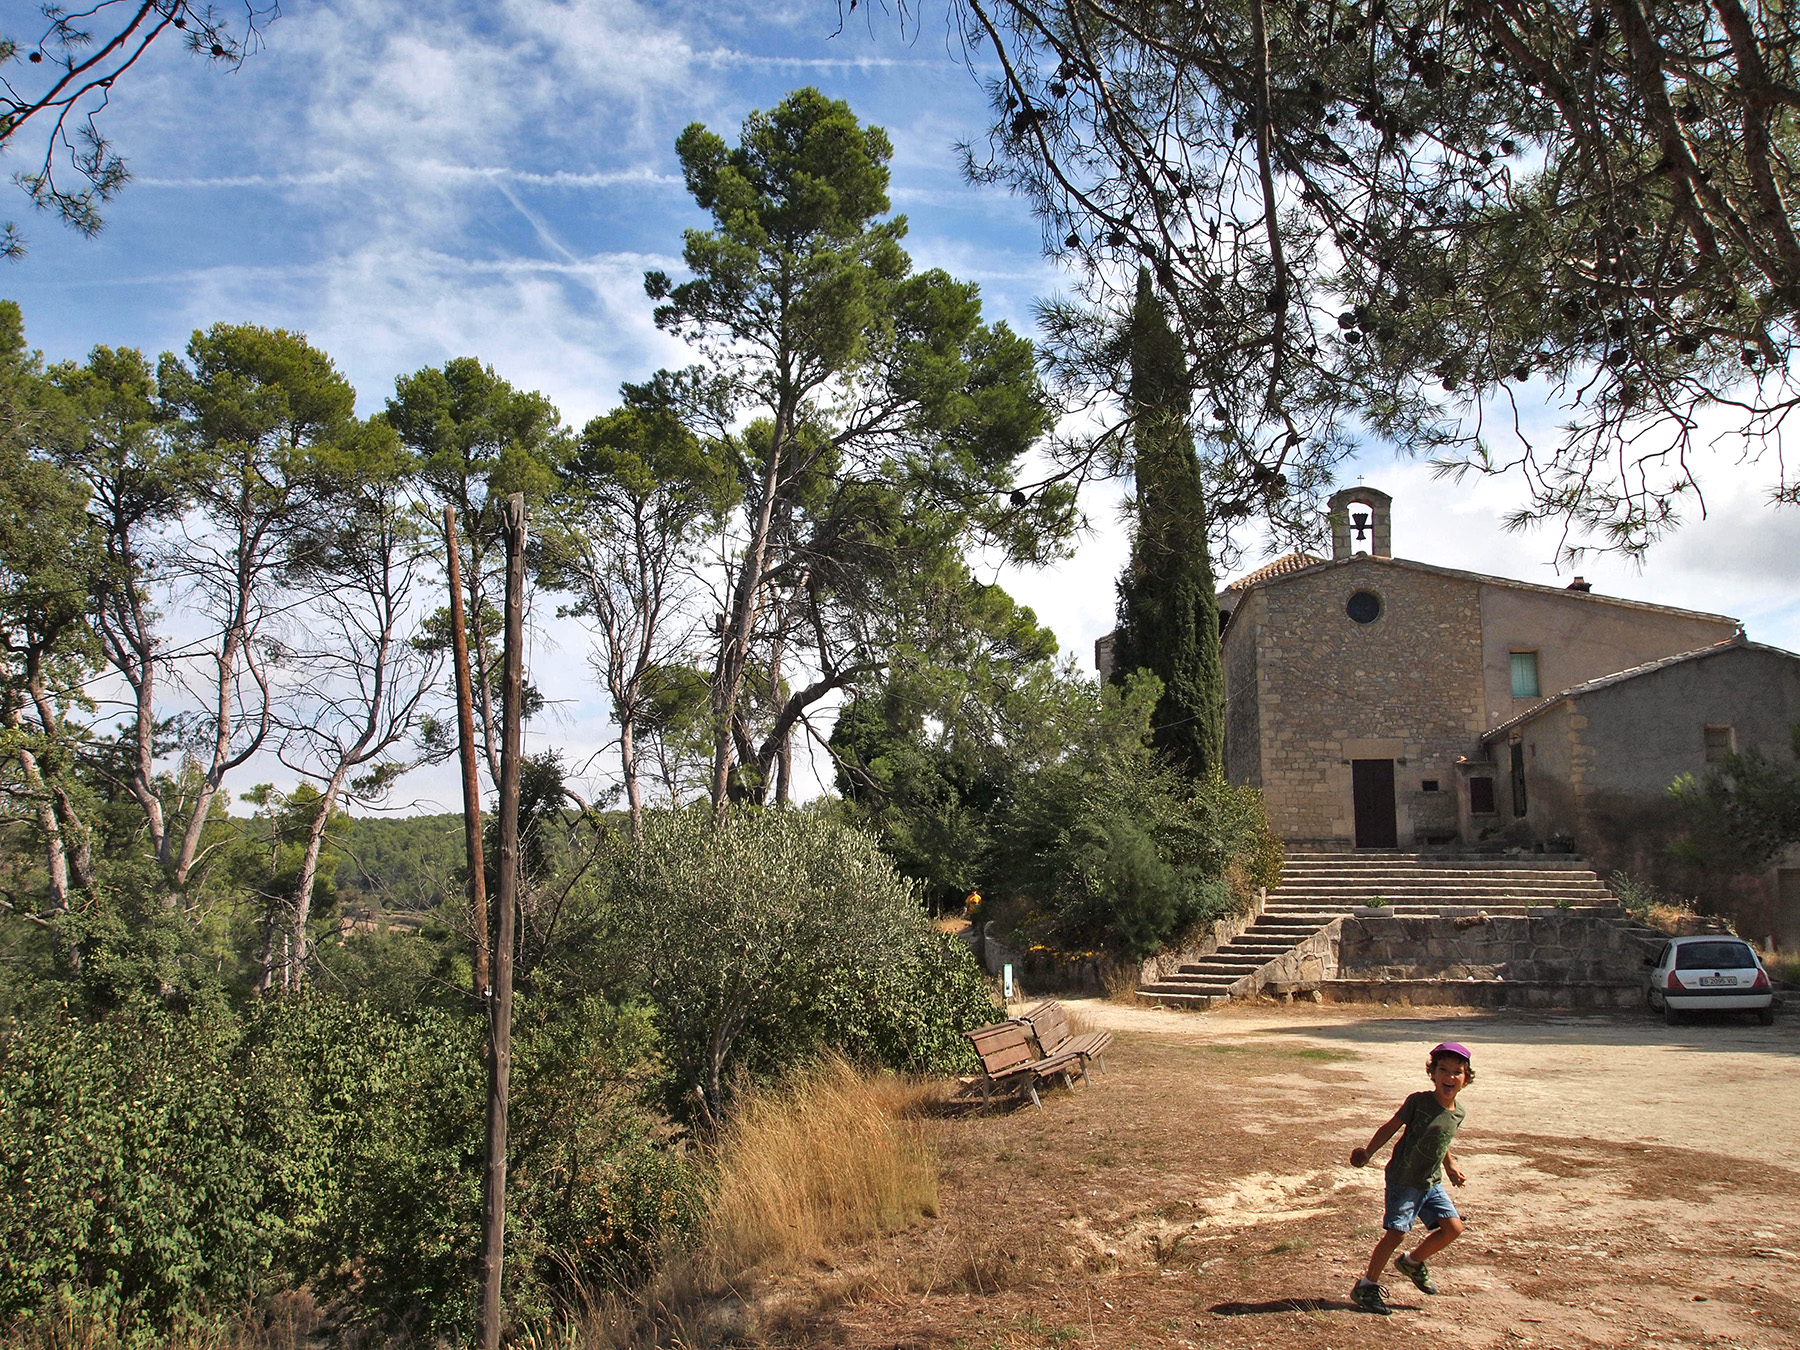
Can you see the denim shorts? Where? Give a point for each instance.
(1408, 1203)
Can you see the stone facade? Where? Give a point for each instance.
(1598, 759)
(1329, 691)
(1396, 663)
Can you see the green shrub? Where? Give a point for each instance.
(1129, 857)
(372, 1125)
(158, 1169)
(775, 935)
(129, 1193)
(910, 1016)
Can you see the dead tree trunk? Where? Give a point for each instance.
(471, 774)
(493, 1218)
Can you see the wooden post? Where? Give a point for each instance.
(493, 1215)
(471, 780)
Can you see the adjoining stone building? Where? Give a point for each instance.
(1380, 703)
(1594, 763)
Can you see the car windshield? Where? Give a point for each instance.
(1713, 956)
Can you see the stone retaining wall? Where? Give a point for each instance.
(1481, 993)
(1215, 936)
(1546, 946)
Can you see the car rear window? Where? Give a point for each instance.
(1713, 956)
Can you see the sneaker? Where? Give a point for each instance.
(1417, 1273)
(1370, 1298)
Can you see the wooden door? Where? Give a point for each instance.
(1372, 783)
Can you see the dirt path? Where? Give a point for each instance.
(1621, 1079)
(1630, 1184)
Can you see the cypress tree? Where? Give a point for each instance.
(1168, 610)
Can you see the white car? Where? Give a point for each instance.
(1709, 974)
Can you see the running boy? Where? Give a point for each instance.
(1415, 1175)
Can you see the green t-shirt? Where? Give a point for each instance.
(1419, 1156)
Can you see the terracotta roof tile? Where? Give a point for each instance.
(1287, 562)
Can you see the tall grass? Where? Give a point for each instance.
(833, 1155)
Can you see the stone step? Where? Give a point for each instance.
(1198, 1002)
(1322, 887)
(1391, 855)
(1481, 905)
(1258, 947)
(1481, 886)
(1372, 878)
(1302, 910)
(1434, 879)
(1221, 992)
(1443, 873)
(1292, 874)
(1297, 866)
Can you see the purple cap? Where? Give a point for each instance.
(1452, 1048)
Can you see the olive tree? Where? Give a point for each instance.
(765, 936)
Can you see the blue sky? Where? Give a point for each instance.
(410, 183)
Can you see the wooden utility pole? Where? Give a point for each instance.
(471, 781)
(493, 1197)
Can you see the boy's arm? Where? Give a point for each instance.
(1359, 1157)
(1456, 1175)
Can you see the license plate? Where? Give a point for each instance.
(1717, 979)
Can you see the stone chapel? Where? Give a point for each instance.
(1382, 703)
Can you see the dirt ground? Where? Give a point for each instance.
(1629, 1184)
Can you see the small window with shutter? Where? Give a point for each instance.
(1720, 742)
(1525, 675)
(1481, 796)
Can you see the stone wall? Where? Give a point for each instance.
(1577, 637)
(1551, 946)
(1407, 687)
(1203, 944)
(1596, 995)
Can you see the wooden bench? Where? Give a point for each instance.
(1049, 1023)
(1008, 1060)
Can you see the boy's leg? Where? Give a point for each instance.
(1384, 1251)
(1437, 1239)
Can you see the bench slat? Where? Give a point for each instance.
(1090, 1043)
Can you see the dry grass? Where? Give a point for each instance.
(1120, 980)
(287, 1322)
(832, 1156)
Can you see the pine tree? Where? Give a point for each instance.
(1168, 614)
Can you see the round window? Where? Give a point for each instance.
(1364, 607)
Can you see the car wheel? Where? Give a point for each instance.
(1766, 1016)
(1671, 1015)
(1650, 999)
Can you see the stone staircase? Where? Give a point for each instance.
(1319, 888)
